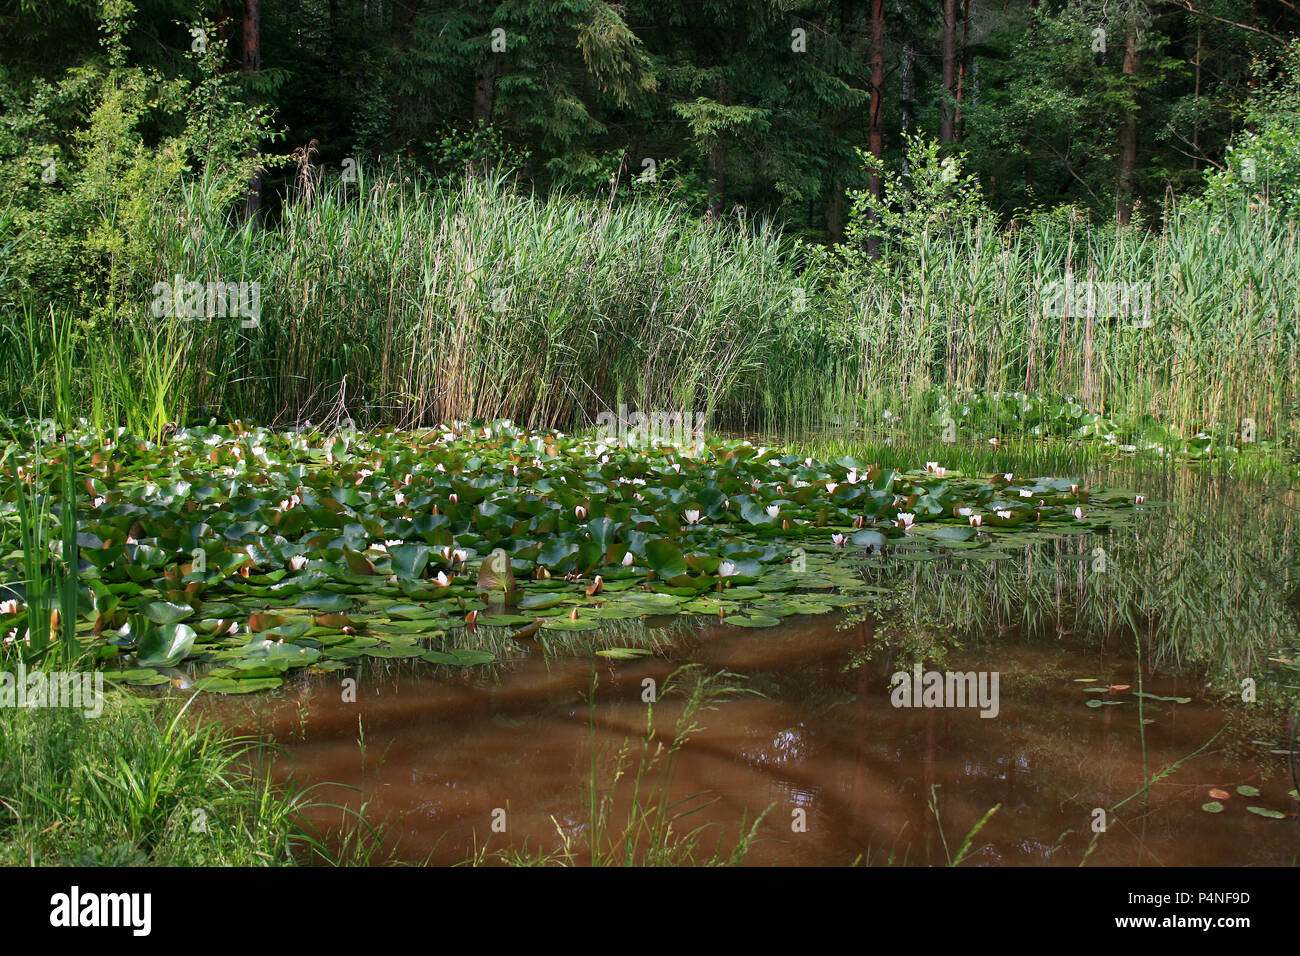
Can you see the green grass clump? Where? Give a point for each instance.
(142, 784)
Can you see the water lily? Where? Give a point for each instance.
(727, 569)
(976, 520)
(1074, 489)
(443, 579)
(931, 466)
(852, 476)
(830, 487)
(98, 502)
(580, 512)
(906, 519)
(459, 556)
(9, 607)
(1078, 514)
(297, 562)
(1140, 500)
(772, 510)
(692, 517)
(628, 560)
(1004, 515)
(838, 540)
(453, 498)
(965, 512)
(400, 499)
(1026, 493)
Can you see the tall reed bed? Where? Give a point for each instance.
(387, 301)
(1195, 324)
(412, 306)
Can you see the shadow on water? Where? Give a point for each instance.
(1190, 600)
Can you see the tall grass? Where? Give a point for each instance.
(399, 303)
(388, 300)
(149, 785)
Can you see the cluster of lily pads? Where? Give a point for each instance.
(250, 553)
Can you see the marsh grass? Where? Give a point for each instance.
(391, 301)
(146, 784)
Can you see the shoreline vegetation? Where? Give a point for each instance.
(386, 302)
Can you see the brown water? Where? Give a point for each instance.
(443, 752)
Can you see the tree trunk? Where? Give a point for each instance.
(875, 129)
(404, 12)
(252, 64)
(947, 125)
(1127, 136)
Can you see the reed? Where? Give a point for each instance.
(388, 300)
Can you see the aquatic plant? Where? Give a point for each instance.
(254, 553)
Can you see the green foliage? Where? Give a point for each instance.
(1263, 163)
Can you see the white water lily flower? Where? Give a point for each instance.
(838, 540)
(628, 560)
(1004, 515)
(830, 488)
(9, 607)
(580, 512)
(965, 512)
(772, 510)
(1074, 489)
(376, 546)
(1140, 500)
(692, 517)
(459, 556)
(1026, 493)
(906, 519)
(400, 499)
(98, 502)
(726, 570)
(1007, 477)
(443, 579)
(931, 466)
(393, 543)
(1078, 514)
(297, 562)
(976, 520)
(852, 476)
(454, 498)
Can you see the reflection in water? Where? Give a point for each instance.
(875, 783)
(442, 755)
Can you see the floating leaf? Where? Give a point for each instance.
(1264, 812)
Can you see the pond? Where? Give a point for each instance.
(521, 647)
(814, 743)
